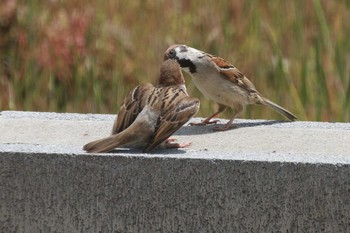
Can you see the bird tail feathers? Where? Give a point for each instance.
(105, 144)
(279, 109)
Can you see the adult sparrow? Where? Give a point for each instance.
(151, 114)
(221, 82)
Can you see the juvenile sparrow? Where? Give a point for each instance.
(150, 115)
(221, 82)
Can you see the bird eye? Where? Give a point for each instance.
(172, 53)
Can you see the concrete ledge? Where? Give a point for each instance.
(264, 176)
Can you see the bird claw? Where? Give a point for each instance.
(184, 144)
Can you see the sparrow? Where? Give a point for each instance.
(221, 82)
(150, 114)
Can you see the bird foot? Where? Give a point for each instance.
(205, 122)
(170, 140)
(169, 144)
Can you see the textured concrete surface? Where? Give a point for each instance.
(264, 176)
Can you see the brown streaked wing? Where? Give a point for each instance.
(231, 73)
(173, 118)
(132, 105)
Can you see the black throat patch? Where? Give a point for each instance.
(186, 63)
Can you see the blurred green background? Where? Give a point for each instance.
(84, 56)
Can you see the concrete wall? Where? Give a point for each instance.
(47, 184)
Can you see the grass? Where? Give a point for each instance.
(84, 56)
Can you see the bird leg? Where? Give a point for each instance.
(168, 144)
(227, 126)
(207, 120)
(238, 109)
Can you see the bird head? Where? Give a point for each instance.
(188, 58)
(170, 73)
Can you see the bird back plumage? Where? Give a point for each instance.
(149, 115)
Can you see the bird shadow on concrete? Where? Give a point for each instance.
(208, 129)
(157, 151)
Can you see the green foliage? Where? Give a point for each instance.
(84, 56)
